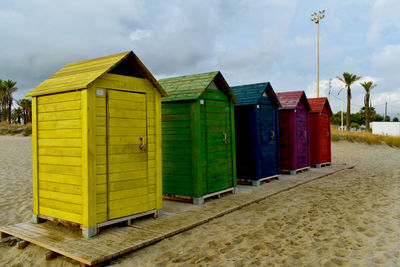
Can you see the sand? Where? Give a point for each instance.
(351, 218)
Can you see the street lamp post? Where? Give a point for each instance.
(316, 17)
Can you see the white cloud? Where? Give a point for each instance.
(303, 41)
(387, 60)
(384, 15)
(140, 34)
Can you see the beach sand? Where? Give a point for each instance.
(351, 218)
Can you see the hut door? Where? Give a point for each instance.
(218, 138)
(268, 141)
(325, 138)
(127, 154)
(301, 138)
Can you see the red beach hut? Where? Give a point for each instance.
(320, 132)
(294, 131)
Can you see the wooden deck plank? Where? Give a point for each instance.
(115, 240)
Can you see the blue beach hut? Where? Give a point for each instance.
(257, 133)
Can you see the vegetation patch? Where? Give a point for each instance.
(15, 129)
(365, 137)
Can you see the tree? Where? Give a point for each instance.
(9, 88)
(348, 79)
(17, 115)
(367, 87)
(355, 125)
(26, 106)
(387, 118)
(2, 101)
(395, 119)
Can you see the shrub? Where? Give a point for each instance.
(365, 137)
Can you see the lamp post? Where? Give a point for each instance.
(316, 17)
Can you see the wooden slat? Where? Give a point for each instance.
(101, 198)
(131, 97)
(66, 161)
(126, 202)
(127, 175)
(68, 216)
(56, 98)
(60, 169)
(62, 115)
(100, 112)
(122, 185)
(122, 158)
(101, 179)
(101, 188)
(127, 149)
(61, 178)
(129, 193)
(62, 124)
(125, 140)
(124, 131)
(59, 205)
(35, 169)
(65, 197)
(127, 105)
(128, 114)
(60, 151)
(100, 121)
(58, 187)
(60, 142)
(142, 207)
(124, 167)
(127, 123)
(61, 106)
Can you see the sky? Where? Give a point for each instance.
(249, 41)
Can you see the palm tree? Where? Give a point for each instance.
(10, 88)
(348, 79)
(17, 115)
(26, 106)
(367, 86)
(2, 101)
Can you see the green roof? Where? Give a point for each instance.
(191, 87)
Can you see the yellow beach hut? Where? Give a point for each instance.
(96, 141)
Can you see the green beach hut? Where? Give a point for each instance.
(198, 137)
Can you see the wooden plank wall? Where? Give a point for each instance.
(154, 179)
(101, 156)
(177, 148)
(213, 155)
(269, 147)
(302, 135)
(59, 124)
(285, 139)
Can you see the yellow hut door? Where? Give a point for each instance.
(127, 163)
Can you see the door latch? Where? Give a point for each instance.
(272, 135)
(224, 139)
(142, 143)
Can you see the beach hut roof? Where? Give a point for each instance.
(191, 87)
(80, 75)
(317, 105)
(290, 100)
(250, 94)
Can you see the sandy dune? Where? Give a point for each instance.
(351, 218)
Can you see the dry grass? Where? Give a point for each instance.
(14, 129)
(364, 137)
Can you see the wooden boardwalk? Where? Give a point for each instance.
(175, 218)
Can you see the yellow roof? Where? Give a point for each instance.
(80, 75)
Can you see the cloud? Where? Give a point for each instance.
(140, 34)
(303, 41)
(387, 60)
(384, 16)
